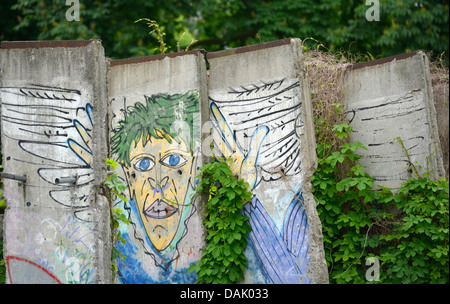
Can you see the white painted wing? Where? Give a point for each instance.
(275, 104)
(51, 128)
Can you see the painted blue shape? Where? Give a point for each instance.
(174, 160)
(90, 112)
(283, 256)
(131, 271)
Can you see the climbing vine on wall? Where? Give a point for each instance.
(223, 260)
(115, 187)
(407, 231)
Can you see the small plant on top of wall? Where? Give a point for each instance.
(223, 260)
(158, 31)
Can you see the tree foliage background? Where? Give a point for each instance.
(404, 26)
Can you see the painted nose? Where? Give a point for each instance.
(159, 187)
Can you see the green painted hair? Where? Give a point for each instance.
(154, 120)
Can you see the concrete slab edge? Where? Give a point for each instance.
(362, 65)
(45, 44)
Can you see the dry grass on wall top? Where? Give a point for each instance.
(326, 76)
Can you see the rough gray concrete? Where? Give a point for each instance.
(65, 109)
(440, 83)
(388, 99)
(52, 95)
(1, 226)
(262, 118)
(158, 104)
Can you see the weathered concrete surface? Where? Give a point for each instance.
(1, 226)
(440, 83)
(158, 104)
(59, 120)
(52, 96)
(388, 99)
(262, 118)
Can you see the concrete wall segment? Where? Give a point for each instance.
(47, 96)
(260, 105)
(389, 99)
(45, 44)
(59, 117)
(148, 96)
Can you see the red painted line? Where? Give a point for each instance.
(30, 262)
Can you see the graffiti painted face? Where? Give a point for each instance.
(159, 177)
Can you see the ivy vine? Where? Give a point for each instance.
(407, 231)
(223, 260)
(115, 187)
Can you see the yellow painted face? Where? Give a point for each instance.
(159, 178)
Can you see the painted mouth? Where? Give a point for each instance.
(160, 210)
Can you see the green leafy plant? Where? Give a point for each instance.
(342, 205)
(223, 260)
(159, 33)
(114, 190)
(416, 251)
(192, 41)
(2, 200)
(408, 231)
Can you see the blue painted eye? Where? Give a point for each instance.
(173, 160)
(144, 164)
